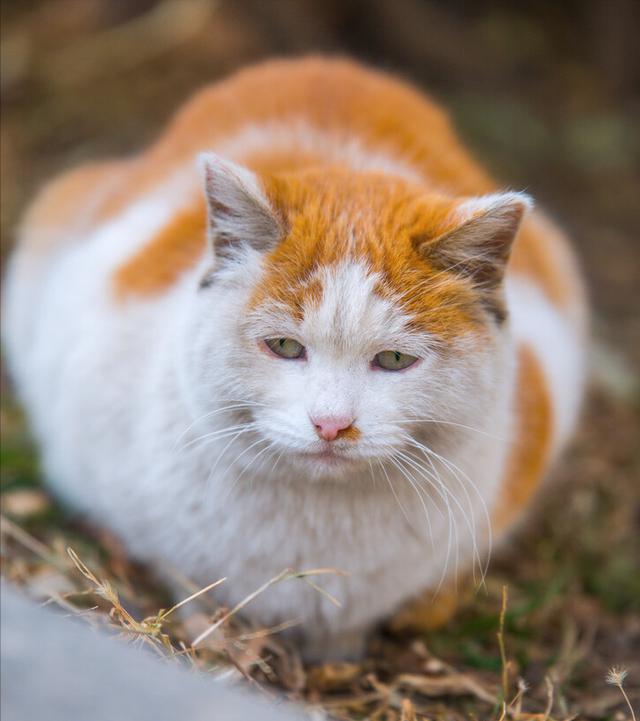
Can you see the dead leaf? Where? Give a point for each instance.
(333, 676)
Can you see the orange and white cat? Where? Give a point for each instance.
(304, 329)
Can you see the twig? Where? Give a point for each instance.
(503, 654)
(164, 614)
(32, 544)
(549, 706)
(282, 576)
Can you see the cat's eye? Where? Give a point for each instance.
(286, 347)
(393, 360)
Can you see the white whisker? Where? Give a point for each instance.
(459, 475)
(395, 495)
(437, 421)
(416, 488)
(443, 492)
(218, 435)
(236, 404)
(236, 435)
(237, 458)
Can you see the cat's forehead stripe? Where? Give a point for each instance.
(349, 312)
(372, 225)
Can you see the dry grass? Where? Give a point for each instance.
(340, 690)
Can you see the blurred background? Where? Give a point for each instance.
(546, 94)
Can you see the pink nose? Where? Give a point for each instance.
(329, 427)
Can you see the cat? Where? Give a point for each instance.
(303, 330)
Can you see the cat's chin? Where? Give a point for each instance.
(326, 463)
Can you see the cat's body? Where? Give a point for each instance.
(126, 349)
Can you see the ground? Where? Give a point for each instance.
(545, 94)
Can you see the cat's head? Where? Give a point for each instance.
(354, 312)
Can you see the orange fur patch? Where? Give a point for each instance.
(166, 257)
(334, 215)
(428, 613)
(533, 436)
(541, 252)
(352, 433)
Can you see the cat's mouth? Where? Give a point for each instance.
(328, 455)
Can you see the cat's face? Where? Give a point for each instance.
(342, 377)
(358, 314)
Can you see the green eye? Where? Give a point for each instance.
(286, 347)
(393, 360)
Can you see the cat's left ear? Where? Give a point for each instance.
(479, 244)
(240, 217)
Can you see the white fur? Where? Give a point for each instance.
(494, 205)
(332, 147)
(559, 346)
(126, 400)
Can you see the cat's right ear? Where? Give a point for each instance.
(240, 217)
